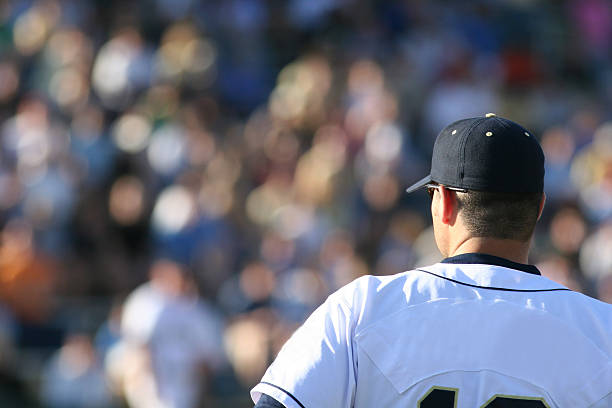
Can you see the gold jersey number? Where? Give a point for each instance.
(442, 397)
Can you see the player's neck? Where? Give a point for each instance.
(512, 250)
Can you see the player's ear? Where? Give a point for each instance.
(542, 202)
(448, 205)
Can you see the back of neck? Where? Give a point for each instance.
(516, 251)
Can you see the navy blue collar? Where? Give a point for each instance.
(478, 258)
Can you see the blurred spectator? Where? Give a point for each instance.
(559, 147)
(109, 332)
(176, 333)
(27, 275)
(74, 377)
(595, 258)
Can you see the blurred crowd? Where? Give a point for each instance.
(182, 182)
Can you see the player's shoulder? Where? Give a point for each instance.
(583, 303)
(368, 286)
(371, 295)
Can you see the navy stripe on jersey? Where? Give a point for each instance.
(492, 287)
(486, 259)
(285, 391)
(266, 401)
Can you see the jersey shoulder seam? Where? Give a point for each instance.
(492, 287)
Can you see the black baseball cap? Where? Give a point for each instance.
(488, 153)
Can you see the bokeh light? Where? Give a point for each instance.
(114, 69)
(173, 210)
(69, 88)
(216, 198)
(383, 143)
(246, 341)
(186, 56)
(263, 202)
(9, 81)
(131, 132)
(126, 201)
(167, 148)
(301, 91)
(257, 281)
(303, 285)
(33, 26)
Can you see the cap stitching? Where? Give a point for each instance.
(461, 164)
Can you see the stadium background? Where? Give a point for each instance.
(262, 148)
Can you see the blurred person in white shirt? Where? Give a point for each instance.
(175, 336)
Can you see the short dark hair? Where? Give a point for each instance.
(500, 215)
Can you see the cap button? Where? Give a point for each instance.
(489, 115)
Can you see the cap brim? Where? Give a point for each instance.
(419, 184)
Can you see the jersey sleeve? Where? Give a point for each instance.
(315, 367)
(266, 401)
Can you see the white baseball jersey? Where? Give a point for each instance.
(472, 331)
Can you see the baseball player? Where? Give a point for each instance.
(481, 328)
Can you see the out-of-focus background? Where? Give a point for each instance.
(182, 182)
